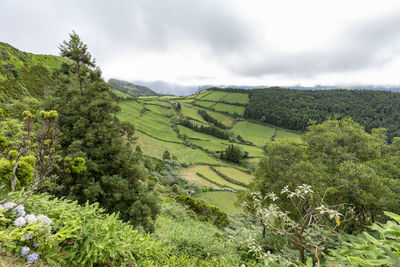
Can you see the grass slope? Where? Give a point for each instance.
(255, 133)
(155, 148)
(222, 199)
(25, 74)
(211, 175)
(236, 174)
(231, 109)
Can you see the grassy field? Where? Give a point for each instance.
(200, 95)
(164, 110)
(186, 100)
(253, 150)
(284, 134)
(190, 111)
(224, 119)
(155, 148)
(231, 109)
(255, 133)
(159, 103)
(120, 94)
(240, 98)
(191, 176)
(210, 174)
(236, 174)
(222, 199)
(130, 109)
(150, 122)
(215, 96)
(206, 104)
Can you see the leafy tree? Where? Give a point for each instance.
(357, 167)
(233, 154)
(28, 152)
(90, 129)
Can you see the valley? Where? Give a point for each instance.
(157, 122)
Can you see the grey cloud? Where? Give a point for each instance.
(370, 44)
(117, 26)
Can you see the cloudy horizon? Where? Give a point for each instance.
(225, 42)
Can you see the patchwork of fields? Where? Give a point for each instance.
(156, 120)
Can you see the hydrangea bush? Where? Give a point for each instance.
(17, 223)
(75, 235)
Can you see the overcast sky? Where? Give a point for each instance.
(231, 42)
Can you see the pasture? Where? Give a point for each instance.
(221, 199)
(231, 109)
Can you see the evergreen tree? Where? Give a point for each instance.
(166, 155)
(91, 129)
(77, 51)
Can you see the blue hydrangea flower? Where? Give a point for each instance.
(32, 257)
(19, 222)
(28, 236)
(24, 251)
(44, 219)
(30, 218)
(20, 210)
(35, 244)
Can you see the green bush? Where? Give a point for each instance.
(381, 248)
(85, 235)
(218, 217)
(188, 237)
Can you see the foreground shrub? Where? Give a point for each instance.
(381, 248)
(188, 237)
(218, 217)
(84, 235)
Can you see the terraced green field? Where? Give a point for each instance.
(154, 118)
(240, 98)
(191, 111)
(211, 175)
(201, 94)
(151, 123)
(224, 119)
(215, 96)
(256, 133)
(206, 104)
(236, 174)
(155, 148)
(159, 103)
(189, 175)
(231, 109)
(284, 134)
(222, 199)
(163, 110)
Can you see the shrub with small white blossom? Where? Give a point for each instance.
(306, 227)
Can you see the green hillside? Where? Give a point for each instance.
(25, 74)
(131, 89)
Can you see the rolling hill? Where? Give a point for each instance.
(131, 89)
(25, 74)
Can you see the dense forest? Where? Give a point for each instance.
(293, 109)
